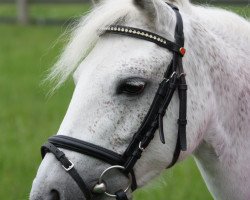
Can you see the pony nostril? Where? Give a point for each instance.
(54, 195)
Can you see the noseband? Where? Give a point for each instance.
(174, 78)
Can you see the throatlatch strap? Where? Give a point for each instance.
(182, 121)
(68, 166)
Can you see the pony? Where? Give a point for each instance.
(217, 67)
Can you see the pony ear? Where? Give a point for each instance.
(158, 12)
(147, 6)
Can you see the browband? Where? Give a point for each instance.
(145, 35)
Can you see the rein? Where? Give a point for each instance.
(174, 79)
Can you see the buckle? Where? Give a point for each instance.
(70, 167)
(140, 147)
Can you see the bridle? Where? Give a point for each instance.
(174, 78)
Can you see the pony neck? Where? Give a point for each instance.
(223, 154)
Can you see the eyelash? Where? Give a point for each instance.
(132, 86)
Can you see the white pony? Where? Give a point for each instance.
(217, 65)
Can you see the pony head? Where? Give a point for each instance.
(116, 78)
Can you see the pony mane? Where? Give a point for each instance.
(86, 33)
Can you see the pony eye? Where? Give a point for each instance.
(132, 86)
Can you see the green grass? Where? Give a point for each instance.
(240, 9)
(67, 11)
(40, 11)
(27, 117)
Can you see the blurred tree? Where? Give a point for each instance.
(22, 12)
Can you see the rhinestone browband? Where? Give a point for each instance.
(145, 35)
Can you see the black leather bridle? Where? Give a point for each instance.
(174, 78)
